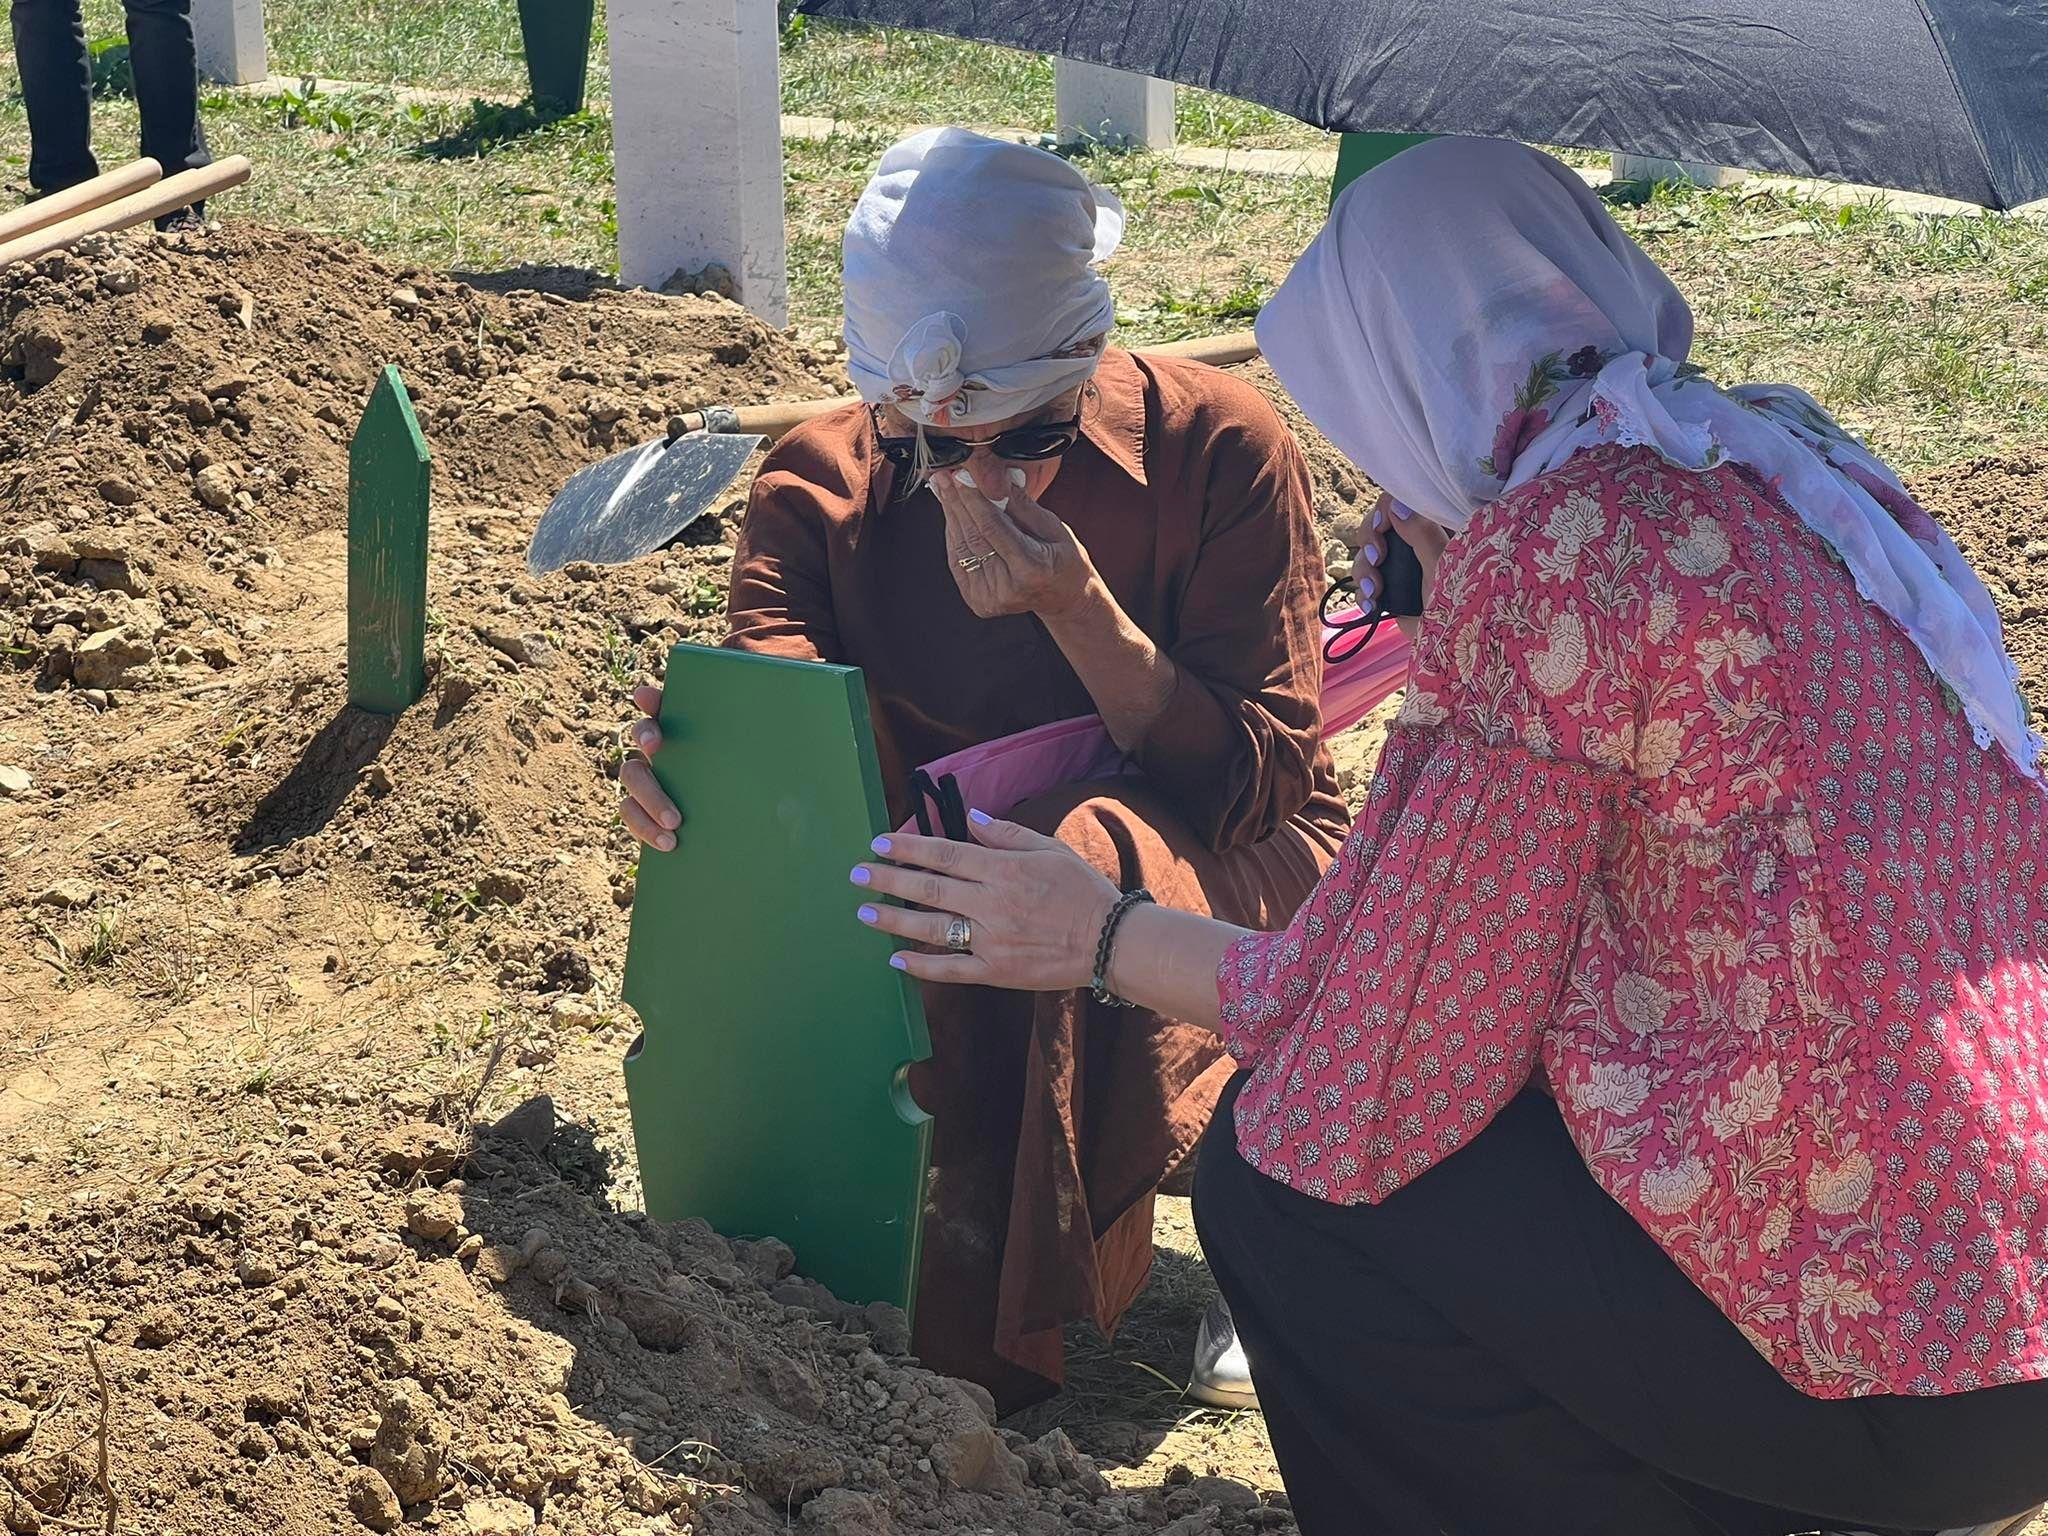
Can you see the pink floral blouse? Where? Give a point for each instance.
(1677, 826)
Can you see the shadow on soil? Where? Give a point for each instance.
(705, 1358)
(310, 794)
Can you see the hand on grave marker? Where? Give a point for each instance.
(646, 810)
(1034, 907)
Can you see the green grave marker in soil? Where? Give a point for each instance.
(556, 34)
(390, 482)
(768, 1085)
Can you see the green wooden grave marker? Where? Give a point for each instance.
(556, 34)
(390, 481)
(1358, 153)
(768, 1085)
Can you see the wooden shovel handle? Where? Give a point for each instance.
(167, 196)
(45, 211)
(775, 420)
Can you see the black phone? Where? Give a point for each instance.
(1398, 595)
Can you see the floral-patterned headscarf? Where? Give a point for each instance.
(971, 293)
(1470, 317)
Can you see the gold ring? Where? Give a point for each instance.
(975, 562)
(960, 936)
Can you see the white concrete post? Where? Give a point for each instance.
(697, 139)
(228, 37)
(1112, 106)
(1650, 168)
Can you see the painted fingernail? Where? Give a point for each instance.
(1371, 553)
(869, 915)
(862, 875)
(980, 818)
(899, 962)
(1001, 504)
(963, 477)
(881, 845)
(1016, 477)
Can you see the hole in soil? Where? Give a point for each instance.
(318, 782)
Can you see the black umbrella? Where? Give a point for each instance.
(1941, 96)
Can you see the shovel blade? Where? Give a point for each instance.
(633, 503)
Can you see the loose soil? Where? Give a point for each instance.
(312, 1136)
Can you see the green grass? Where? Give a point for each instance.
(1930, 335)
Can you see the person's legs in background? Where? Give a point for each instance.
(56, 87)
(160, 52)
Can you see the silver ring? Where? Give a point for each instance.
(975, 562)
(960, 936)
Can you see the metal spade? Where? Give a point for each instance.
(634, 502)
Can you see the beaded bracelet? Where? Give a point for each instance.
(1106, 945)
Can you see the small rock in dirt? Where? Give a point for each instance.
(14, 781)
(432, 1214)
(888, 1326)
(506, 886)
(157, 1327)
(406, 300)
(254, 1270)
(469, 1248)
(532, 1123)
(410, 1448)
(227, 386)
(256, 1444)
(767, 1259)
(158, 326)
(569, 969)
(538, 1050)
(66, 895)
(843, 1512)
(371, 1500)
(216, 487)
(117, 492)
(572, 1013)
(270, 1401)
(111, 659)
(38, 349)
(497, 1517)
(50, 550)
(16, 1421)
(416, 1147)
(120, 276)
(499, 1262)
(114, 576)
(975, 1459)
(376, 779)
(1223, 1492)
(526, 650)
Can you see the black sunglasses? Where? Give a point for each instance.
(1032, 443)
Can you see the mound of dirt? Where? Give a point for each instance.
(1997, 512)
(267, 954)
(354, 1330)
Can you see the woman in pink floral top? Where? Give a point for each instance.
(1643, 1128)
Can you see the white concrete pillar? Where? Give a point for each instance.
(1650, 168)
(228, 37)
(697, 136)
(1112, 105)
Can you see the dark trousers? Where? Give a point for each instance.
(56, 86)
(1500, 1348)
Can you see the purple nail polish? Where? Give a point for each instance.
(1371, 553)
(869, 915)
(881, 845)
(899, 962)
(980, 818)
(862, 875)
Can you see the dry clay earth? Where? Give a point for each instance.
(312, 1142)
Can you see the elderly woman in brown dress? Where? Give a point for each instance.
(1024, 526)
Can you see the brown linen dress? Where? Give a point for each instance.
(1055, 1118)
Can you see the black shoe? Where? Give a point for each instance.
(182, 218)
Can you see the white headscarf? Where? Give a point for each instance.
(970, 289)
(1471, 317)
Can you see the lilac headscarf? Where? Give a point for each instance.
(1470, 317)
